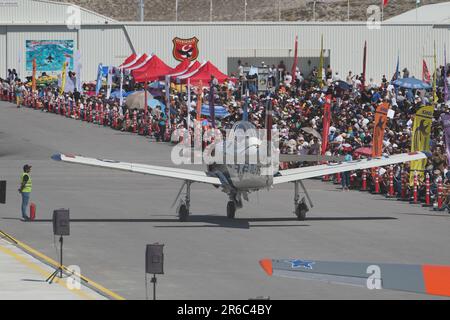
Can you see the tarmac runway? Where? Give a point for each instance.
(115, 215)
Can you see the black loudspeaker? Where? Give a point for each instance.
(154, 259)
(61, 222)
(3, 192)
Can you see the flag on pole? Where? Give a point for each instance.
(364, 66)
(425, 72)
(319, 73)
(435, 97)
(77, 68)
(109, 82)
(294, 66)
(397, 69)
(33, 82)
(445, 75)
(121, 87)
(212, 109)
(63, 78)
(99, 79)
(420, 140)
(385, 3)
(199, 101)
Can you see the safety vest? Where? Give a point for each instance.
(28, 185)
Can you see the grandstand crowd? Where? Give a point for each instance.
(297, 104)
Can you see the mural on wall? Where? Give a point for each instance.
(49, 54)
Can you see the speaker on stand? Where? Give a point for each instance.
(61, 227)
(154, 264)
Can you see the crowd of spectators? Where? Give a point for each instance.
(297, 104)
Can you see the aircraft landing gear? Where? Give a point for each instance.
(301, 208)
(183, 208)
(231, 210)
(234, 204)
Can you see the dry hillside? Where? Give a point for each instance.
(233, 10)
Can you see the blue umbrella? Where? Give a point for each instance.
(342, 85)
(221, 112)
(411, 83)
(153, 103)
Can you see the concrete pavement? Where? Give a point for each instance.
(115, 215)
(22, 277)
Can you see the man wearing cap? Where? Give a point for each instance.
(25, 190)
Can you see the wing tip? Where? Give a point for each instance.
(266, 264)
(57, 157)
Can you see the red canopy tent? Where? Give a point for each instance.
(140, 62)
(152, 70)
(129, 60)
(180, 69)
(203, 74)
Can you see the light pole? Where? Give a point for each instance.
(210, 10)
(141, 10)
(314, 10)
(245, 10)
(176, 10)
(279, 10)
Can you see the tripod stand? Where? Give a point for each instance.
(59, 269)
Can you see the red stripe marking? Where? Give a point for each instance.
(266, 264)
(437, 280)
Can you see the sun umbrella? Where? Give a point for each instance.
(342, 85)
(363, 152)
(411, 83)
(312, 132)
(137, 100)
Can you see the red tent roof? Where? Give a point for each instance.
(193, 67)
(153, 70)
(204, 73)
(138, 62)
(181, 68)
(129, 60)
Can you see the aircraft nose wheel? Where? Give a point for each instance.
(183, 212)
(231, 210)
(301, 210)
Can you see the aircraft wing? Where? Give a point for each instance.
(292, 175)
(175, 173)
(424, 279)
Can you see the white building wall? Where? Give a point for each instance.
(36, 11)
(3, 69)
(111, 44)
(18, 35)
(345, 41)
(101, 44)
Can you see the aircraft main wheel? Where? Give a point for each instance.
(231, 210)
(301, 211)
(183, 213)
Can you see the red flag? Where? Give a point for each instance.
(326, 123)
(426, 77)
(385, 2)
(294, 66)
(364, 66)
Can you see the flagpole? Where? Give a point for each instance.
(348, 10)
(189, 105)
(382, 10)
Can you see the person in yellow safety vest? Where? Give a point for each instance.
(25, 190)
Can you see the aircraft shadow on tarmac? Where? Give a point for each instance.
(220, 222)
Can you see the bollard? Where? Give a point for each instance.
(415, 189)
(91, 116)
(102, 114)
(391, 193)
(134, 121)
(377, 184)
(338, 178)
(439, 196)
(427, 192)
(364, 180)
